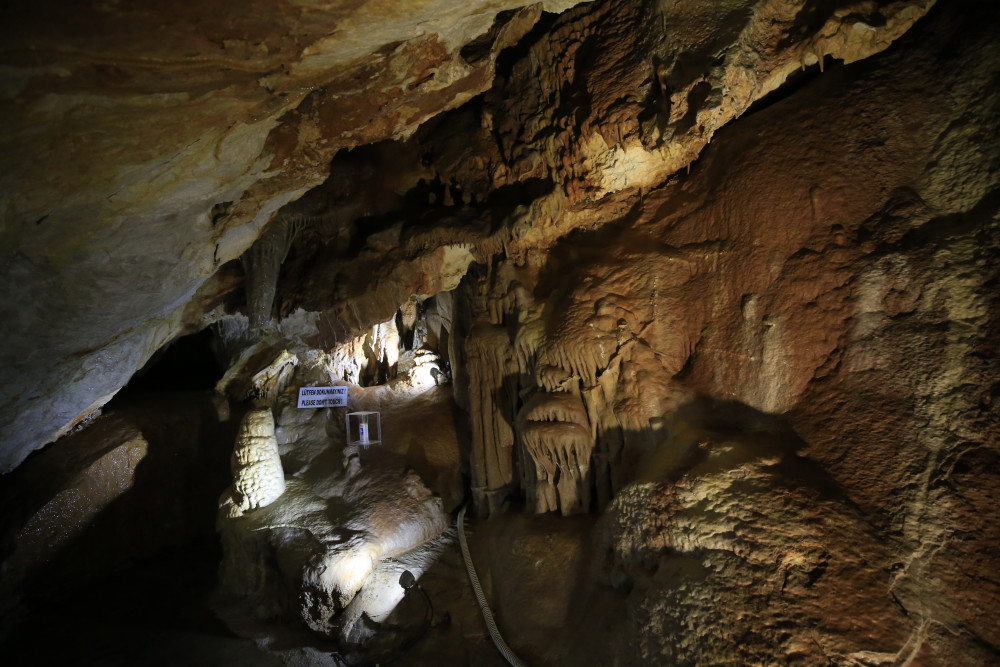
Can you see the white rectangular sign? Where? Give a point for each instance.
(322, 397)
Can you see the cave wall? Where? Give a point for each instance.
(830, 258)
(595, 311)
(146, 147)
(822, 272)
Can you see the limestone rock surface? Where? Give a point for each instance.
(258, 479)
(754, 323)
(745, 554)
(316, 533)
(144, 147)
(831, 258)
(587, 268)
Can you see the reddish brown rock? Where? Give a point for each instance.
(822, 276)
(156, 143)
(831, 258)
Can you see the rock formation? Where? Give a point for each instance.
(258, 479)
(696, 303)
(169, 136)
(617, 310)
(326, 547)
(228, 121)
(741, 550)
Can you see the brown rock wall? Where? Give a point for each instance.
(144, 147)
(830, 259)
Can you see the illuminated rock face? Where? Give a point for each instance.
(394, 524)
(330, 549)
(747, 554)
(597, 274)
(146, 148)
(258, 479)
(758, 277)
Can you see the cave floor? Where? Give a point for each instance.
(157, 612)
(157, 609)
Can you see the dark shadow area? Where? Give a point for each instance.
(733, 417)
(186, 364)
(150, 612)
(509, 57)
(709, 434)
(697, 98)
(795, 82)
(480, 47)
(502, 201)
(129, 586)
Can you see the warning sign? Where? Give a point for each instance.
(322, 397)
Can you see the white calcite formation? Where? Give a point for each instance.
(329, 550)
(258, 479)
(394, 519)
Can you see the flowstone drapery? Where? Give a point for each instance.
(571, 378)
(557, 437)
(492, 372)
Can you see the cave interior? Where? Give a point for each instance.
(679, 321)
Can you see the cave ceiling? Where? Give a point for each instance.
(147, 147)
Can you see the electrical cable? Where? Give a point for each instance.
(491, 624)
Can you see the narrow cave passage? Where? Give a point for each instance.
(188, 363)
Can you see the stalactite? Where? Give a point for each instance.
(582, 357)
(558, 437)
(262, 263)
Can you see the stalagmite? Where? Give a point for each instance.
(258, 478)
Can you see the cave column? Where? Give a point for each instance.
(492, 369)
